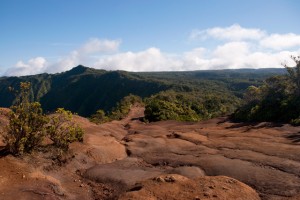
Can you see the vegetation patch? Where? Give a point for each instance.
(28, 126)
(119, 112)
(278, 99)
(187, 106)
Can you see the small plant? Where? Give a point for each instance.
(295, 122)
(99, 117)
(62, 130)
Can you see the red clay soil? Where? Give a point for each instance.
(129, 159)
(174, 187)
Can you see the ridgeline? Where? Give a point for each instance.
(85, 90)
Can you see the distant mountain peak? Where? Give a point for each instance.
(82, 70)
(79, 69)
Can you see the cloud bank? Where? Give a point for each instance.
(234, 32)
(237, 47)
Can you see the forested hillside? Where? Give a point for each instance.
(85, 90)
(278, 99)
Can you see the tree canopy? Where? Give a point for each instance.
(278, 99)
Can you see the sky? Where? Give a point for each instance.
(53, 36)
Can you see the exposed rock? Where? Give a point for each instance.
(184, 188)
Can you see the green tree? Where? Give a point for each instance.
(278, 99)
(252, 94)
(186, 106)
(294, 73)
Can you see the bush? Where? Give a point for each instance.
(123, 107)
(26, 128)
(62, 130)
(119, 112)
(295, 122)
(99, 117)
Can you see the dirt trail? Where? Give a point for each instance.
(136, 157)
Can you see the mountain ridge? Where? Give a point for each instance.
(84, 90)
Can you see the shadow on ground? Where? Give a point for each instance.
(294, 137)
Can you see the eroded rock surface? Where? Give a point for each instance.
(129, 159)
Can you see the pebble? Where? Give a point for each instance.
(225, 188)
(159, 179)
(206, 194)
(231, 181)
(170, 179)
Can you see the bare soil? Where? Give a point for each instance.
(129, 159)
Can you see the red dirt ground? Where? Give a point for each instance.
(129, 159)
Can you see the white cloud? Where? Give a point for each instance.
(65, 63)
(195, 59)
(151, 59)
(281, 41)
(235, 55)
(232, 33)
(231, 55)
(33, 66)
(74, 58)
(95, 45)
(82, 55)
(240, 48)
(237, 33)
(232, 49)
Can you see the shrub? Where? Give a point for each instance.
(119, 112)
(62, 130)
(99, 117)
(123, 107)
(26, 128)
(295, 122)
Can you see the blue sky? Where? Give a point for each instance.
(146, 35)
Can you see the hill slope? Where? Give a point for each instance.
(84, 90)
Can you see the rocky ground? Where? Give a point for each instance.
(129, 159)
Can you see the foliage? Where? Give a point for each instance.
(99, 117)
(62, 130)
(294, 74)
(27, 122)
(28, 125)
(123, 107)
(187, 106)
(119, 112)
(85, 90)
(278, 99)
